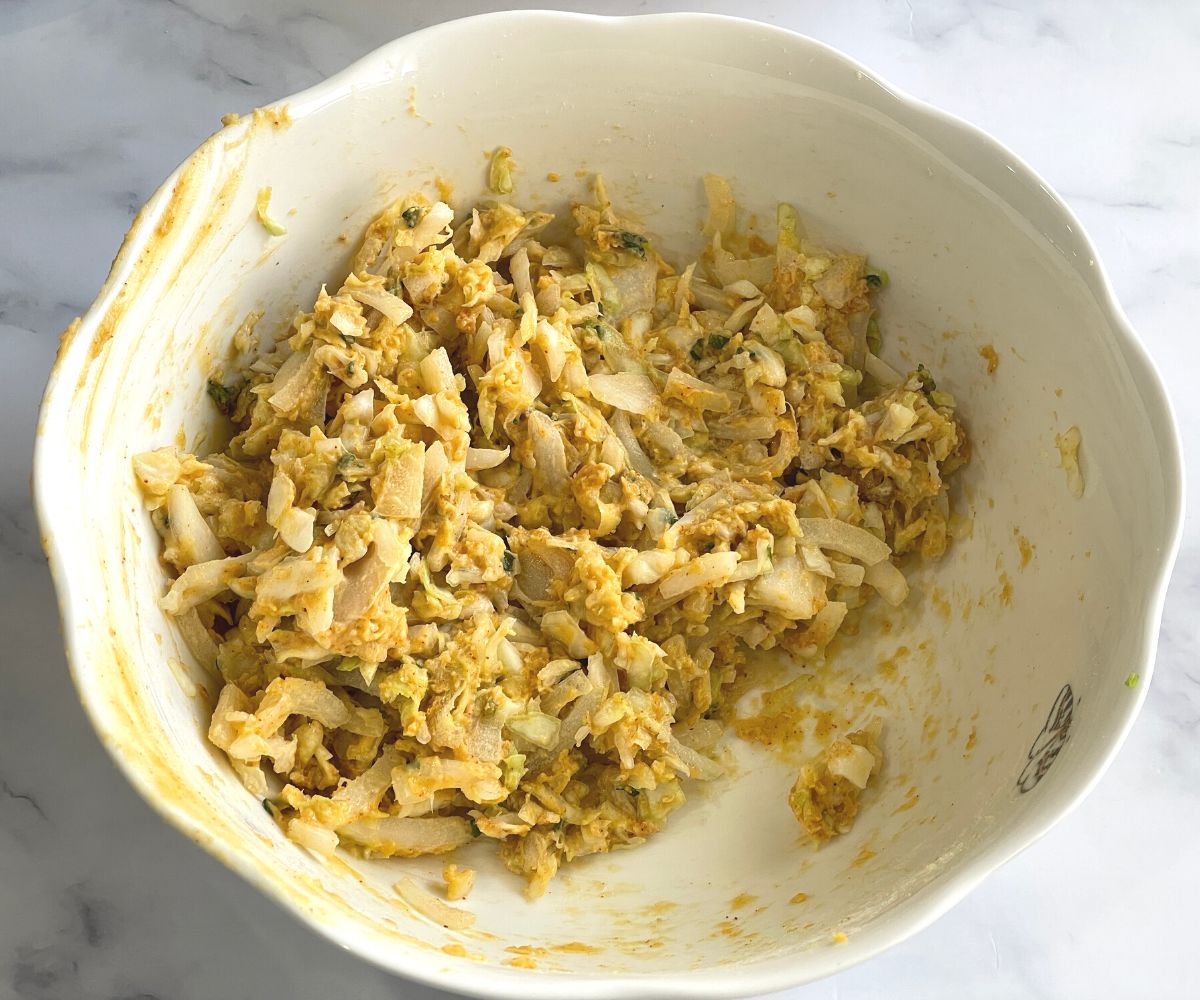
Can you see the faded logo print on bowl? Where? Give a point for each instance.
(1050, 740)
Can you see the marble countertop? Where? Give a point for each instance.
(100, 899)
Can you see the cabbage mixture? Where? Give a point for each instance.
(503, 518)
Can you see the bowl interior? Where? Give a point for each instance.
(1044, 593)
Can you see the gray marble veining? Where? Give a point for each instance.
(99, 900)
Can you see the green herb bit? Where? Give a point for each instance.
(224, 396)
(695, 351)
(633, 242)
(509, 560)
(878, 278)
(926, 380)
(1132, 681)
(412, 216)
(717, 341)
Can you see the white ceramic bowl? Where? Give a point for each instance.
(1008, 663)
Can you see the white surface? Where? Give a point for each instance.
(1066, 919)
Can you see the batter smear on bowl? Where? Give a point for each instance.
(503, 517)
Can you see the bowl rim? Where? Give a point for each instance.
(734, 980)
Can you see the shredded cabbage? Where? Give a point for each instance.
(826, 796)
(1068, 449)
(502, 520)
(500, 172)
(262, 208)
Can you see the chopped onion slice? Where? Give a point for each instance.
(395, 836)
(625, 391)
(881, 371)
(857, 543)
(317, 839)
(485, 458)
(848, 574)
(698, 766)
(888, 581)
(850, 761)
(383, 301)
(194, 541)
(537, 728)
(709, 570)
(428, 905)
